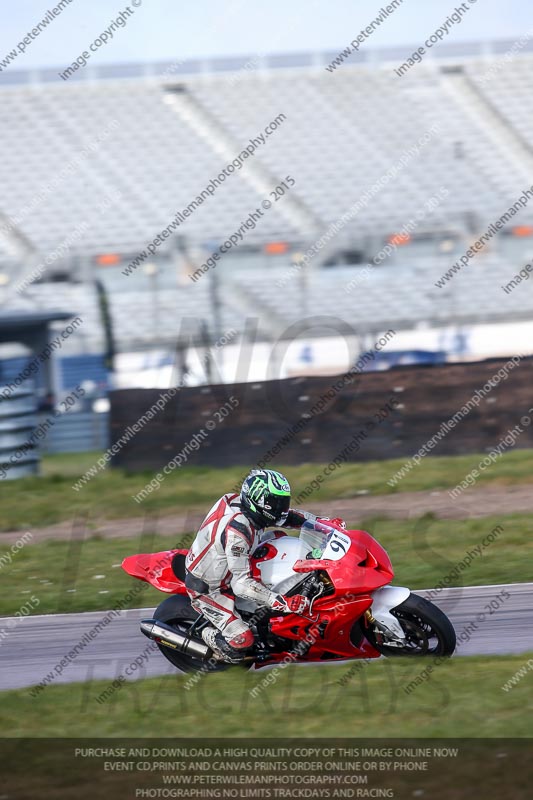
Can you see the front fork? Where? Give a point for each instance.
(381, 630)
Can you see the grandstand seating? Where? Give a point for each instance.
(506, 84)
(139, 317)
(150, 156)
(370, 301)
(343, 131)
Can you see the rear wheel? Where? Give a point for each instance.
(178, 612)
(428, 631)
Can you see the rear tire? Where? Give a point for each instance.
(178, 612)
(428, 630)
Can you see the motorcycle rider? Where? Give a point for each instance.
(218, 564)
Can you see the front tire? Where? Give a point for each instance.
(428, 630)
(178, 612)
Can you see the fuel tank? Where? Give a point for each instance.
(275, 559)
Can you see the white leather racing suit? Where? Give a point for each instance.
(218, 565)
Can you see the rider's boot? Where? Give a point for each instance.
(232, 651)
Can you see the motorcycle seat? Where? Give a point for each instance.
(178, 566)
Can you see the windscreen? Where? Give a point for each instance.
(324, 541)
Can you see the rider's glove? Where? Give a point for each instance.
(340, 522)
(291, 605)
(336, 521)
(298, 604)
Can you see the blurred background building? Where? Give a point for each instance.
(392, 181)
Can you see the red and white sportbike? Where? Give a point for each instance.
(354, 611)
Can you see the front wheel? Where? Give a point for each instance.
(428, 631)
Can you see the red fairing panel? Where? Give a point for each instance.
(156, 569)
(365, 567)
(331, 632)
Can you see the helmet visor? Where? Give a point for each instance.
(277, 508)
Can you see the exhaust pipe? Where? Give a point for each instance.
(167, 636)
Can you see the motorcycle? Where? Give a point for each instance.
(354, 611)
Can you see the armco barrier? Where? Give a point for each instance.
(17, 421)
(77, 432)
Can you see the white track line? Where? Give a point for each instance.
(524, 586)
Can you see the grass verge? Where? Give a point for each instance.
(69, 576)
(45, 500)
(461, 698)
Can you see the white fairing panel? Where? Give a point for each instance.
(383, 600)
(277, 573)
(337, 547)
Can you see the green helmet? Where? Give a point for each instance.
(266, 497)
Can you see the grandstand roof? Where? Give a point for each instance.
(189, 67)
(29, 327)
(28, 319)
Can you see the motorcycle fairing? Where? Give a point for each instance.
(331, 632)
(364, 567)
(358, 571)
(156, 569)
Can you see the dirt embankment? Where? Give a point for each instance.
(482, 502)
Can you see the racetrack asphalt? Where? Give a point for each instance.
(34, 645)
